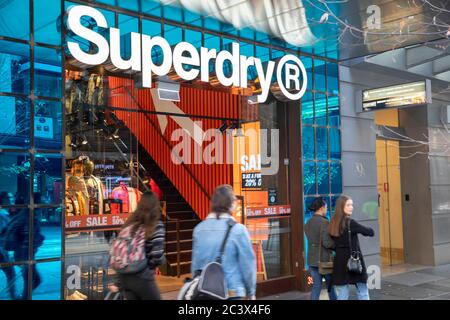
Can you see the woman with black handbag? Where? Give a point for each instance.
(349, 266)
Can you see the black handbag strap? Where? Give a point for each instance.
(230, 224)
(350, 238)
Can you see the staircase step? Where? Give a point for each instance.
(181, 215)
(171, 246)
(184, 224)
(177, 206)
(184, 235)
(185, 255)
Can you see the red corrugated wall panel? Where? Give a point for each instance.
(195, 102)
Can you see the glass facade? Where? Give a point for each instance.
(39, 139)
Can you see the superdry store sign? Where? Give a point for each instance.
(184, 58)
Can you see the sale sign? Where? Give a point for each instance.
(101, 221)
(257, 212)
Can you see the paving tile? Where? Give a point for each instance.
(434, 286)
(413, 278)
(404, 291)
(441, 271)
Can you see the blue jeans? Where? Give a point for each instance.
(361, 290)
(317, 284)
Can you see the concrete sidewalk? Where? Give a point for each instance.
(427, 283)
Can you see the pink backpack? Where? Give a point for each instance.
(127, 253)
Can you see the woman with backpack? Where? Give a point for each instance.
(349, 266)
(138, 250)
(238, 259)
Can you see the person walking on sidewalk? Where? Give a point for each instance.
(344, 232)
(320, 256)
(147, 217)
(238, 260)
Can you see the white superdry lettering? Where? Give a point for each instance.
(183, 55)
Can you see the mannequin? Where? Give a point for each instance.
(129, 196)
(77, 197)
(96, 189)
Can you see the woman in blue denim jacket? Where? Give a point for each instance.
(239, 263)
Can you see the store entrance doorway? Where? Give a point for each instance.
(390, 202)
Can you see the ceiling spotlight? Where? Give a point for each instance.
(84, 140)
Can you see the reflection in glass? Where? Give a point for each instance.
(323, 181)
(322, 143)
(336, 177)
(173, 34)
(319, 75)
(335, 144)
(47, 182)
(15, 176)
(46, 23)
(333, 78)
(307, 62)
(48, 125)
(14, 68)
(308, 143)
(333, 111)
(11, 281)
(15, 15)
(47, 72)
(14, 122)
(307, 108)
(48, 222)
(309, 178)
(50, 276)
(320, 109)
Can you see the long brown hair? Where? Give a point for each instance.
(146, 215)
(223, 200)
(338, 221)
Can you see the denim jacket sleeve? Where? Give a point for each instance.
(247, 259)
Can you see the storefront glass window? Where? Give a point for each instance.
(333, 76)
(323, 178)
(47, 183)
(17, 235)
(307, 105)
(322, 143)
(193, 37)
(308, 143)
(335, 144)
(15, 19)
(309, 177)
(14, 67)
(50, 277)
(11, 280)
(151, 28)
(336, 177)
(14, 122)
(320, 109)
(47, 125)
(192, 19)
(47, 21)
(173, 13)
(308, 63)
(15, 176)
(47, 72)
(319, 75)
(173, 34)
(48, 223)
(333, 111)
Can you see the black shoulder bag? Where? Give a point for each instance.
(354, 264)
(210, 284)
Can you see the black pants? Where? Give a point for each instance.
(141, 286)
